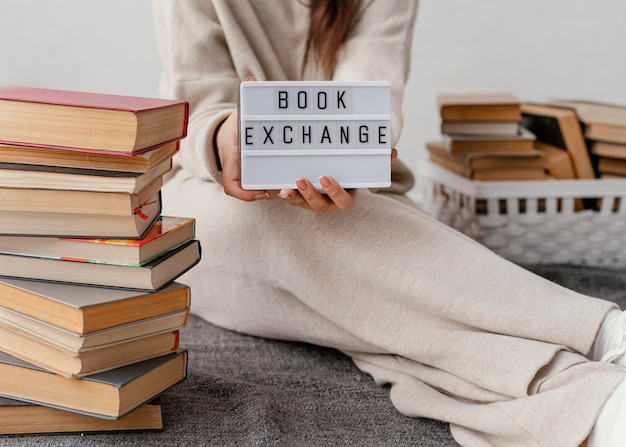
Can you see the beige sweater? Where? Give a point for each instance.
(458, 333)
(209, 47)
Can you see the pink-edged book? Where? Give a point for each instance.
(89, 122)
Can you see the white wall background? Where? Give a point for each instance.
(536, 49)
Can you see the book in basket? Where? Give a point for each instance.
(520, 143)
(489, 166)
(85, 121)
(560, 127)
(485, 107)
(119, 391)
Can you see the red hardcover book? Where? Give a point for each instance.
(85, 121)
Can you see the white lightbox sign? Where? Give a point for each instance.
(294, 129)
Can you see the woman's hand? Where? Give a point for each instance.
(227, 142)
(331, 197)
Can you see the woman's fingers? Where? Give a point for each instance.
(332, 197)
(342, 198)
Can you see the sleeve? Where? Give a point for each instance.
(379, 49)
(196, 66)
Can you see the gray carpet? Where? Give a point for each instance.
(246, 391)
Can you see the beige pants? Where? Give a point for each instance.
(461, 335)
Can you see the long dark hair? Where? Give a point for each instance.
(331, 22)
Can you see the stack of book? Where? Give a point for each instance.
(90, 310)
(484, 138)
(604, 128)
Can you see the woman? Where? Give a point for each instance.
(460, 334)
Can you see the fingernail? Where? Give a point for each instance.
(261, 196)
(302, 185)
(325, 182)
(283, 194)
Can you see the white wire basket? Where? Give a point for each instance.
(532, 221)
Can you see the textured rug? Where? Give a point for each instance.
(247, 391)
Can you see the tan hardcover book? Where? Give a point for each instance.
(86, 121)
(510, 174)
(72, 365)
(167, 233)
(481, 127)
(41, 212)
(557, 161)
(18, 418)
(142, 162)
(78, 343)
(610, 150)
(606, 133)
(612, 166)
(595, 111)
(149, 277)
(119, 391)
(14, 175)
(559, 127)
(603, 121)
(531, 159)
(450, 162)
(83, 309)
(489, 167)
(473, 144)
(479, 107)
(43, 200)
